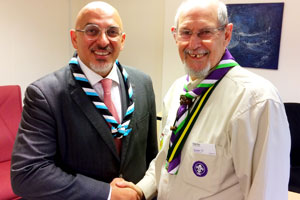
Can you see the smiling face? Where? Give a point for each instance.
(98, 54)
(201, 54)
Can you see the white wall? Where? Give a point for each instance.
(35, 41)
(285, 78)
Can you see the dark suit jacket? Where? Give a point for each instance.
(64, 148)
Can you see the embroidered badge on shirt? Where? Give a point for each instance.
(200, 168)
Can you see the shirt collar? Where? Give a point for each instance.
(94, 78)
(193, 84)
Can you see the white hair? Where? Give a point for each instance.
(222, 10)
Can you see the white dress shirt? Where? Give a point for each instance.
(95, 79)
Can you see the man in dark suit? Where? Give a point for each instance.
(72, 141)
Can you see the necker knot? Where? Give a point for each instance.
(185, 100)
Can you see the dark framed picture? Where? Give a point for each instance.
(256, 33)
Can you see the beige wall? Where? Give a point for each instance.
(35, 41)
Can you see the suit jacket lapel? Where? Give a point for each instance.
(92, 114)
(125, 102)
(123, 93)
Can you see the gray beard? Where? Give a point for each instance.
(197, 74)
(101, 68)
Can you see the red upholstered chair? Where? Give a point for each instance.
(10, 116)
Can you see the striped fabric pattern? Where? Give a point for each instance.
(186, 117)
(118, 130)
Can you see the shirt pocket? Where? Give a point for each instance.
(202, 170)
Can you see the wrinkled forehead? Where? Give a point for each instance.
(98, 14)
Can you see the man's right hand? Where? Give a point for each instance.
(126, 192)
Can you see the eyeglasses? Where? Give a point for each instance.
(92, 32)
(203, 34)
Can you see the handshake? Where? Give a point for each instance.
(121, 189)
